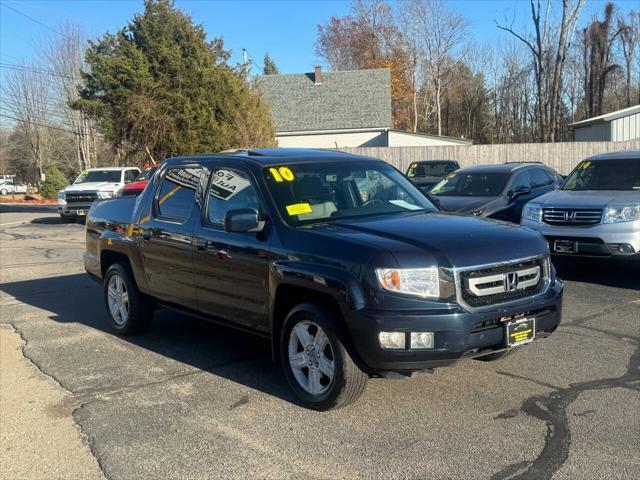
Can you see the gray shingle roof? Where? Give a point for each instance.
(344, 100)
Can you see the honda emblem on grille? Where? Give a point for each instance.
(569, 216)
(510, 281)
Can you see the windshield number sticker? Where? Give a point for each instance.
(299, 209)
(282, 174)
(585, 165)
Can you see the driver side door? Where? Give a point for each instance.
(232, 268)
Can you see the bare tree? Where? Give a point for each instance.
(26, 95)
(439, 34)
(629, 42)
(66, 58)
(548, 59)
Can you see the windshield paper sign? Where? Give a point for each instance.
(225, 184)
(186, 177)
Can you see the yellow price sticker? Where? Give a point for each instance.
(585, 165)
(299, 209)
(282, 174)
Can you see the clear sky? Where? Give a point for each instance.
(284, 28)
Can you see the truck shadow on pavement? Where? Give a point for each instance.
(602, 272)
(219, 350)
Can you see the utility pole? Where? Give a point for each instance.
(244, 63)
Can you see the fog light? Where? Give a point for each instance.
(392, 339)
(621, 248)
(421, 339)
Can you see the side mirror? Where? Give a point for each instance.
(243, 220)
(433, 199)
(520, 191)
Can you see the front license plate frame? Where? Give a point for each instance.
(564, 246)
(520, 331)
(81, 213)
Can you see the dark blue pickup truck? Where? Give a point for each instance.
(339, 260)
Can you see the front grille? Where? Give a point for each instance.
(486, 286)
(80, 197)
(571, 216)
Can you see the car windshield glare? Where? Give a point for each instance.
(489, 184)
(109, 176)
(617, 174)
(430, 169)
(323, 192)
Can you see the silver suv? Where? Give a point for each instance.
(596, 213)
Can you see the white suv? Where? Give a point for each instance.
(596, 213)
(93, 184)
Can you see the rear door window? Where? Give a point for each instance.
(177, 193)
(521, 181)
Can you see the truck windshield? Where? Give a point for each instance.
(430, 169)
(618, 174)
(321, 192)
(109, 176)
(463, 184)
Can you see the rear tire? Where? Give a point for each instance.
(129, 310)
(491, 357)
(316, 361)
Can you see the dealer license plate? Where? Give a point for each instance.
(520, 331)
(81, 212)
(564, 246)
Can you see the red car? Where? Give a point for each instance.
(137, 186)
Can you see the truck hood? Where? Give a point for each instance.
(93, 187)
(586, 199)
(451, 240)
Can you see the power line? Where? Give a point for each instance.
(42, 71)
(31, 18)
(50, 126)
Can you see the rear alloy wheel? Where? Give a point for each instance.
(129, 310)
(316, 360)
(3, 191)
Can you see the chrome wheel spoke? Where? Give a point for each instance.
(112, 291)
(298, 360)
(302, 332)
(114, 309)
(123, 311)
(314, 384)
(320, 340)
(326, 366)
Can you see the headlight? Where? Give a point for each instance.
(105, 194)
(622, 213)
(421, 282)
(533, 212)
(62, 199)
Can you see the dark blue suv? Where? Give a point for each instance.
(495, 191)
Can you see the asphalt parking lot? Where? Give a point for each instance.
(193, 400)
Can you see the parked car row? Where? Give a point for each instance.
(594, 212)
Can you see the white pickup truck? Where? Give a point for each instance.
(92, 184)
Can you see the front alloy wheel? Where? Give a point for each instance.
(316, 358)
(311, 357)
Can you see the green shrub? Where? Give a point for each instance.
(53, 183)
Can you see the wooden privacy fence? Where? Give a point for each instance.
(562, 157)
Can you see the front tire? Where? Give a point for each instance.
(3, 191)
(128, 309)
(316, 361)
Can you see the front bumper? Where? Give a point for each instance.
(72, 209)
(599, 240)
(458, 334)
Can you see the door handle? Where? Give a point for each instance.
(202, 244)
